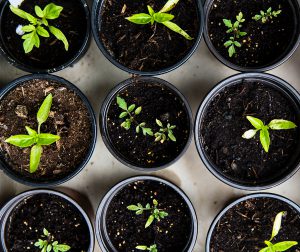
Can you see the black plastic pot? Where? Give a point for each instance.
(31, 182)
(294, 42)
(272, 81)
(103, 127)
(25, 67)
(96, 28)
(8, 208)
(100, 225)
(251, 196)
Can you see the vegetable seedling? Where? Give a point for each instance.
(49, 244)
(276, 124)
(152, 248)
(36, 139)
(36, 26)
(161, 135)
(280, 246)
(155, 212)
(265, 16)
(161, 17)
(235, 32)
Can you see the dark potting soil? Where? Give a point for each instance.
(63, 221)
(225, 122)
(157, 102)
(147, 47)
(126, 230)
(248, 224)
(51, 54)
(69, 118)
(264, 43)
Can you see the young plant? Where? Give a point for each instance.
(36, 139)
(280, 246)
(161, 17)
(276, 124)
(155, 213)
(161, 135)
(235, 32)
(266, 16)
(152, 248)
(36, 26)
(49, 244)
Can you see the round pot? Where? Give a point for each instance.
(104, 129)
(101, 230)
(96, 29)
(30, 181)
(25, 66)
(238, 201)
(294, 42)
(9, 207)
(272, 81)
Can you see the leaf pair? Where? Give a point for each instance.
(266, 16)
(276, 124)
(152, 248)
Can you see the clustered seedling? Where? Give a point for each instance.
(130, 112)
(155, 212)
(280, 246)
(265, 16)
(36, 139)
(276, 124)
(49, 244)
(37, 26)
(152, 248)
(160, 17)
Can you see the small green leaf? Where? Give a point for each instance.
(137, 129)
(162, 17)
(265, 139)
(28, 28)
(49, 247)
(133, 208)
(280, 124)
(52, 11)
(35, 157)
(38, 11)
(155, 202)
(283, 246)
(138, 110)
(141, 247)
(249, 134)
(149, 221)
(63, 247)
(171, 136)
(242, 34)
(47, 139)
(277, 224)
(59, 35)
(42, 32)
(174, 27)
(121, 103)
(228, 43)
(227, 23)
(141, 18)
(139, 212)
(169, 5)
(150, 10)
(131, 107)
(22, 141)
(256, 123)
(30, 131)
(237, 44)
(147, 131)
(268, 243)
(44, 110)
(231, 50)
(159, 123)
(45, 232)
(123, 114)
(30, 41)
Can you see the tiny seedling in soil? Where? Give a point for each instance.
(36, 139)
(36, 26)
(49, 244)
(161, 17)
(155, 212)
(152, 248)
(235, 32)
(276, 124)
(265, 16)
(280, 246)
(161, 135)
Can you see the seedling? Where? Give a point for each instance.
(152, 248)
(276, 124)
(235, 32)
(266, 16)
(161, 135)
(155, 212)
(161, 17)
(36, 26)
(49, 244)
(36, 139)
(280, 246)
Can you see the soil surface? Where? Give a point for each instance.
(147, 47)
(52, 53)
(68, 118)
(246, 226)
(225, 121)
(63, 221)
(264, 43)
(127, 230)
(157, 102)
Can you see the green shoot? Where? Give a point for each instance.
(36, 26)
(155, 212)
(235, 32)
(49, 244)
(152, 248)
(280, 246)
(276, 124)
(265, 16)
(161, 135)
(36, 139)
(160, 17)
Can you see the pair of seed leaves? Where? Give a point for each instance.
(152, 248)
(36, 139)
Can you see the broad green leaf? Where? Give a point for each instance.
(123, 114)
(149, 221)
(228, 43)
(169, 5)
(280, 124)
(38, 11)
(265, 139)
(227, 23)
(141, 18)
(59, 35)
(171, 136)
(47, 139)
(49, 247)
(237, 44)
(28, 28)
(256, 123)
(42, 32)
(150, 10)
(121, 103)
(138, 110)
(18, 12)
(22, 141)
(131, 107)
(44, 110)
(133, 208)
(277, 225)
(141, 247)
(147, 131)
(162, 17)
(63, 247)
(35, 157)
(231, 50)
(30, 131)
(249, 134)
(174, 27)
(30, 41)
(52, 11)
(283, 246)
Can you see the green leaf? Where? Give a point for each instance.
(141, 247)
(147, 131)
(149, 221)
(242, 34)
(283, 246)
(131, 107)
(141, 18)
(169, 5)
(159, 123)
(150, 10)
(162, 17)
(42, 32)
(155, 202)
(47, 139)
(52, 11)
(63, 247)
(171, 136)
(277, 224)
(18, 12)
(30, 41)
(45, 232)
(59, 35)
(231, 50)
(249, 133)
(138, 110)
(44, 21)
(22, 141)
(38, 11)
(239, 17)
(123, 114)
(35, 157)
(280, 124)
(28, 28)
(133, 208)
(44, 110)
(174, 27)
(227, 23)
(121, 103)
(265, 139)
(256, 123)
(268, 243)
(49, 247)
(228, 43)
(30, 131)
(237, 44)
